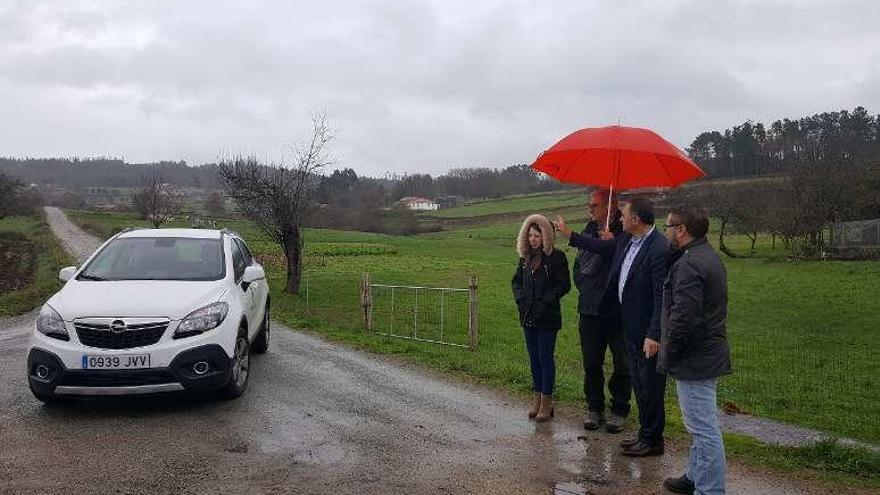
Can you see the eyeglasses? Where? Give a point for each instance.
(670, 225)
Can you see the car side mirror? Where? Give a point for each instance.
(67, 273)
(253, 273)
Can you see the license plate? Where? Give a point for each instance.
(121, 362)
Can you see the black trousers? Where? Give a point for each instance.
(649, 387)
(598, 334)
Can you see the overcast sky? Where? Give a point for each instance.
(414, 86)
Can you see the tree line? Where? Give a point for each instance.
(78, 173)
(343, 186)
(828, 139)
(805, 174)
(476, 182)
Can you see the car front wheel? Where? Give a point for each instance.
(238, 378)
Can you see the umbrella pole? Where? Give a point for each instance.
(608, 217)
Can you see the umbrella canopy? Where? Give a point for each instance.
(617, 157)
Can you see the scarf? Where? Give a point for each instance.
(534, 259)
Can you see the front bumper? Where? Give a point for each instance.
(48, 376)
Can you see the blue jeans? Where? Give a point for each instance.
(541, 344)
(707, 467)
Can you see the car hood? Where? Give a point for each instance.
(135, 298)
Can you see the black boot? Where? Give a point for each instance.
(682, 484)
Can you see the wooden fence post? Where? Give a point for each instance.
(367, 302)
(473, 320)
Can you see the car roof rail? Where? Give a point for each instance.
(229, 232)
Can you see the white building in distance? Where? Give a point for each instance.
(417, 203)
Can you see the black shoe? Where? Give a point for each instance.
(629, 442)
(593, 420)
(643, 449)
(614, 424)
(682, 484)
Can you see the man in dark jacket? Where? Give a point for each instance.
(694, 347)
(599, 324)
(638, 269)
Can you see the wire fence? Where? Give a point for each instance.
(437, 315)
(856, 240)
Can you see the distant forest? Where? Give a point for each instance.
(750, 149)
(74, 173)
(827, 139)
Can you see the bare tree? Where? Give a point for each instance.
(156, 199)
(9, 191)
(279, 196)
(718, 200)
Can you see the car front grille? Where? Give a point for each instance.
(105, 333)
(107, 378)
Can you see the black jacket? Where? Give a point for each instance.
(590, 274)
(694, 345)
(643, 292)
(537, 294)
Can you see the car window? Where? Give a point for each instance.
(238, 263)
(245, 251)
(157, 258)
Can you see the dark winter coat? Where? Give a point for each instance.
(537, 293)
(694, 343)
(590, 274)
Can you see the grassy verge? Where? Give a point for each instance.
(49, 258)
(828, 462)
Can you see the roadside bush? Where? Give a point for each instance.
(16, 198)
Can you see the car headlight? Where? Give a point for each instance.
(202, 320)
(51, 324)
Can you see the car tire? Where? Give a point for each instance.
(238, 376)
(261, 343)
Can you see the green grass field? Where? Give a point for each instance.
(525, 203)
(50, 257)
(801, 333)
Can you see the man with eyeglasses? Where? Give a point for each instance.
(599, 324)
(694, 348)
(638, 269)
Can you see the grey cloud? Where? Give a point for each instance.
(416, 85)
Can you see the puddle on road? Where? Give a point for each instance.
(569, 488)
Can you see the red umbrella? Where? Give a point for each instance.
(617, 157)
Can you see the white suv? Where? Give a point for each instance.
(153, 311)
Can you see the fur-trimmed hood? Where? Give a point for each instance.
(547, 230)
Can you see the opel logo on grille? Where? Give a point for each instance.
(117, 326)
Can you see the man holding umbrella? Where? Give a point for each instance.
(599, 322)
(636, 279)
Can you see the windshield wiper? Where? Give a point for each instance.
(85, 276)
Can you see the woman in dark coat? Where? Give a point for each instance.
(540, 281)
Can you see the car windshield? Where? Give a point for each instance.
(157, 258)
